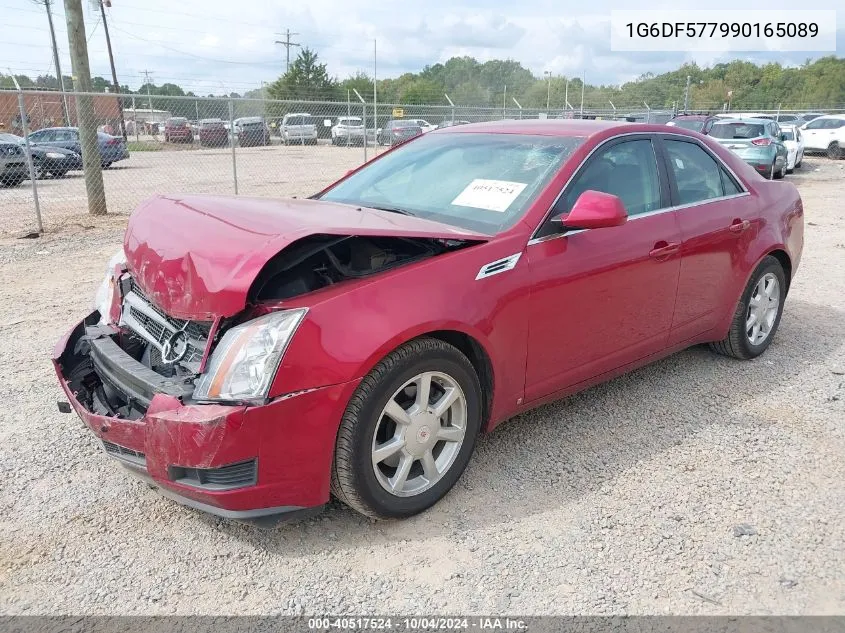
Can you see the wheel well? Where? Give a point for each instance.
(786, 264)
(473, 350)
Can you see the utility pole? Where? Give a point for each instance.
(548, 74)
(91, 159)
(65, 111)
(287, 44)
(686, 95)
(148, 80)
(103, 5)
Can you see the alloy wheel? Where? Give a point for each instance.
(419, 434)
(763, 308)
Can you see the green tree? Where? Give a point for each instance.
(306, 79)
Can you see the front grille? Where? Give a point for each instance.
(125, 454)
(149, 322)
(237, 475)
(10, 150)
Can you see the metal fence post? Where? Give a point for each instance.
(32, 174)
(363, 121)
(232, 140)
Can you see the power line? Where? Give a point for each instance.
(287, 44)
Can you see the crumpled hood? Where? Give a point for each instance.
(196, 257)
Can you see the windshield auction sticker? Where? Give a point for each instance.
(723, 31)
(492, 195)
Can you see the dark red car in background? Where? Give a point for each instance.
(398, 131)
(177, 129)
(251, 356)
(213, 133)
(695, 122)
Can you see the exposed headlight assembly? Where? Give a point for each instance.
(244, 363)
(105, 293)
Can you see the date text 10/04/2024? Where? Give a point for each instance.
(418, 624)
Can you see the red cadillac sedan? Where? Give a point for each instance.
(252, 357)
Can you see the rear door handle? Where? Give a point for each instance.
(662, 250)
(738, 226)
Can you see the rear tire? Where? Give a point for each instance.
(780, 172)
(11, 181)
(834, 151)
(360, 479)
(754, 302)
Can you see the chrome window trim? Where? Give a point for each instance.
(647, 214)
(744, 190)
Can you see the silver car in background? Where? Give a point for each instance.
(300, 128)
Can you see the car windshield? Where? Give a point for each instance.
(788, 135)
(11, 138)
(479, 182)
(402, 124)
(252, 124)
(177, 121)
(736, 130)
(299, 120)
(349, 121)
(688, 124)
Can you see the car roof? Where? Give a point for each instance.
(748, 120)
(692, 117)
(550, 127)
(830, 116)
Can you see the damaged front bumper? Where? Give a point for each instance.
(248, 463)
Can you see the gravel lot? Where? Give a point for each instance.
(697, 485)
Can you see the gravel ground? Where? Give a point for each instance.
(697, 485)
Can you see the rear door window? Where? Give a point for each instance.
(697, 176)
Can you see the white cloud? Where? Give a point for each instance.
(202, 44)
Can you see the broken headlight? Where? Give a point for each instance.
(105, 293)
(245, 361)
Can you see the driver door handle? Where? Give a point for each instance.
(662, 250)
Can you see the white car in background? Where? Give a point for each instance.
(349, 130)
(826, 134)
(425, 126)
(794, 141)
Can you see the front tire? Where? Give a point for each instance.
(757, 314)
(408, 431)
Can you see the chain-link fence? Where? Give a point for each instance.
(148, 145)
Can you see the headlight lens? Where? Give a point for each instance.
(54, 155)
(105, 293)
(244, 363)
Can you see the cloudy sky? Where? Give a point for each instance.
(215, 46)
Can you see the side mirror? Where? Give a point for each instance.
(594, 210)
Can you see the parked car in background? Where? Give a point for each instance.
(794, 141)
(213, 133)
(252, 131)
(696, 122)
(13, 166)
(826, 134)
(112, 148)
(251, 356)
(349, 130)
(397, 131)
(299, 127)
(756, 141)
(444, 124)
(806, 117)
(425, 126)
(177, 129)
(56, 161)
